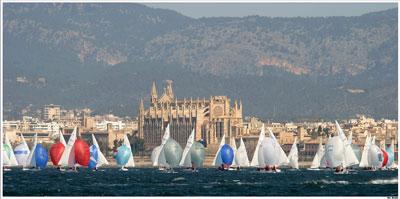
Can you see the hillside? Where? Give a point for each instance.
(105, 56)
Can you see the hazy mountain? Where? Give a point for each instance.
(105, 56)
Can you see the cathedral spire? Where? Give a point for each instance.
(141, 106)
(169, 90)
(236, 105)
(154, 93)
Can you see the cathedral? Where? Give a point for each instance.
(210, 118)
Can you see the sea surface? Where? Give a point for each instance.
(205, 182)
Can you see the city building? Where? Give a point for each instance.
(210, 118)
(51, 112)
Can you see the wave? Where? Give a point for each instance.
(326, 182)
(383, 181)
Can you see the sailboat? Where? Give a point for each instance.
(318, 161)
(101, 160)
(30, 162)
(22, 151)
(390, 150)
(294, 156)
(57, 149)
(377, 158)
(68, 157)
(350, 157)
(241, 156)
(364, 156)
(258, 161)
(158, 156)
(282, 158)
(334, 153)
(186, 160)
(7, 147)
(131, 162)
(217, 158)
(6, 159)
(270, 154)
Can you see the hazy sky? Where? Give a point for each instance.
(273, 9)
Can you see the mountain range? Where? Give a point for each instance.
(106, 56)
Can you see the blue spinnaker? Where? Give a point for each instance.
(93, 157)
(123, 155)
(41, 156)
(227, 154)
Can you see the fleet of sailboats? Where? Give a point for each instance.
(268, 155)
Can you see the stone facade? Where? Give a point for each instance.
(210, 118)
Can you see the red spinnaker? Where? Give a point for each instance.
(56, 151)
(82, 152)
(385, 158)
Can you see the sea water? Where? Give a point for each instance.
(205, 182)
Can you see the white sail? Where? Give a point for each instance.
(217, 159)
(316, 163)
(154, 153)
(364, 156)
(30, 161)
(350, 138)
(283, 159)
(234, 148)
(101, 160)
(131, 162)
(68, 156)
(186, 160)
(241, 156)
(13, 160)
(254, 160)
(22, 152)
(163, 141)
(350, 157)
(62, 140)
(323, 162)
(334, 152)
(294, 156)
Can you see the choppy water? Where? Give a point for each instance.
(151, 182)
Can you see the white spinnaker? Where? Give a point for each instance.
(242, 158)
(283, 159)
(186, 160)
(31, 162)
(294, 156)
(218, 161)
(101, 159)
(157, 153)
(254, 160)
(364, 156)
(350, 157)
(375, 156)
(22, 152)
(234, 148)
(334, 152)
(270, 152)
(68, 157)
(316, 163)
(13, 160)
(131, 162)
